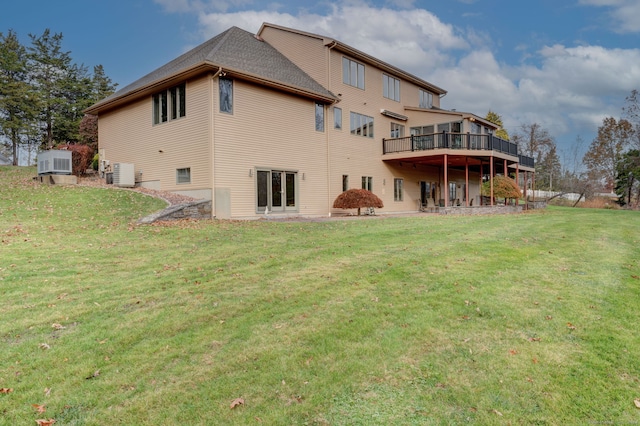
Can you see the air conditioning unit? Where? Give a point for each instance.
(54, 162)
(124, 175)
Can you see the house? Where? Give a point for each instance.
(282, 121)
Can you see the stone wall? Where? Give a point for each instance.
(195, 210)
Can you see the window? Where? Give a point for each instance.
(345, 182)
(226, 95)
(337, 118)
(160, 108)
(391, 87)
(397, 130)
(169, 104)
(397, 189)
(367, 183)
(178, 105)
(422, 130)
(319, 117)
(352, 73)
(361, 125)
(452, 192)
(426, 99)
(443, 127)
(183, 175)
(276, 191)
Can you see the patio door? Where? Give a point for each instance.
(276, 191)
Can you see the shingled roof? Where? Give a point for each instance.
(239, 54)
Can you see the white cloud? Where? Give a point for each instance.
(625, 14)
(569, 91)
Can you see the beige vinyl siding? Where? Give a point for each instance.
(307, 52)
(271, 130)
(128, 135)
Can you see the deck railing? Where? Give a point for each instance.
(446, 140)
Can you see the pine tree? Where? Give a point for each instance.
(17, 100)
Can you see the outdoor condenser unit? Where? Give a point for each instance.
(124, 175)
(54, 162)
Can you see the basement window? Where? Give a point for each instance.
(183, 175)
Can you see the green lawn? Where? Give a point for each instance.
(507, 319)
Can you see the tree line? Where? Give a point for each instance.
(43, 94)
(610, 164)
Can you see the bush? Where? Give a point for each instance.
(81, 157)
(95, 162)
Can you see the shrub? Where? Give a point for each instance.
(356, 199)
(81, 157)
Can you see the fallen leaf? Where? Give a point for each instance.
(57, 326)
(39, 408)
(637, 402)
(6, 390)
(548, 317)
(497, 412)
(534, 339)
(534, 360)
(513, 352)
(236, 402)
(47, 391)
(94, 375)
(635, 277)
(43, 422)
(571, 326)
(44, 346)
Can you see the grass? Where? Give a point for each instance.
(518, 319)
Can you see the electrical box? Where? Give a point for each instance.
(124, 175)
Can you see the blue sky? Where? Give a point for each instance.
(565, 64)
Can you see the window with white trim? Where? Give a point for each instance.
(390, 87)
(169, 104)
(361, 125)
(367, 183)
(225, 86)
(352, 73)
(183, 175)
(398, 183)
(426, 99)
(337, 118)
(397, 130)
(319, 117)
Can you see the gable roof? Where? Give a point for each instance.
(235, 52)
(363, 57)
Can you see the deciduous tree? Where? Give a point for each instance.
(606, 150)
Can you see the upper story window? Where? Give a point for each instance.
(169, 104)
(397, 130)
(391, 87)
(319, 117)
(422, 130)
(352, 73)
(361, 125)
(226, 95)
(337, 118)
(426, 99)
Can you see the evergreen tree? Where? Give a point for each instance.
(17, 99)
(58, 83)
(628, 179)
(497, 120)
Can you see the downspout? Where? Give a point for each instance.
(327, 139)
(212, 142)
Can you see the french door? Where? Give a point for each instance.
(276, 191)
